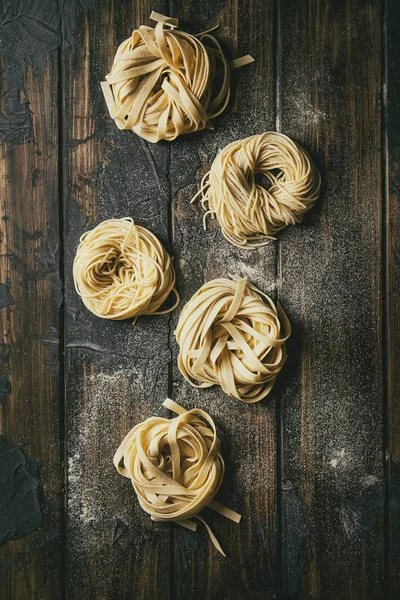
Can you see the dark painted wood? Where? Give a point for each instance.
(247, 432)
(116, 373)
(392, 179)
(306, 468)
(30, 301)
(330, 270)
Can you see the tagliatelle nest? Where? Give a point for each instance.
(165, 82)
(231, 334)
(176, 467)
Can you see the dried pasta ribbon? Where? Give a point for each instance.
(122, 271)
(231, 334)
(176, 467)
(250, 214)
(164, 82)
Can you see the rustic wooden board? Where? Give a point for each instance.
(332, 444)
(392, 221)
(247, 432)
(116, 373)
(306, 468)
(30, 297)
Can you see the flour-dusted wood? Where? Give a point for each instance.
(391, 206)
(330, 283)
(314, 468)
(116, 372)
(247, 433)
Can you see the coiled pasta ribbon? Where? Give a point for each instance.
(122, 271)
(165, 82)
(231, 334)
(249, 212)
(176, 467)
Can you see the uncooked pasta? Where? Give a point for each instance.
(249, 211)
(121, 271)
(231, 334)
(176, 467)
(165, 82)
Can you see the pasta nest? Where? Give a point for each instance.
(164, 82)
(121, 271)
(231, 334)
(175, 466)
(249, 212)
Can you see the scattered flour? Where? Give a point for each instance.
(339, 459)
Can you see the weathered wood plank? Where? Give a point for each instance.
(247, 432)
(332, 470)
(392, 174)
(117, 374)
(30, 294)
(330, 282)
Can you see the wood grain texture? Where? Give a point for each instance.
(306, 467)
(247, 432)
(29, 314)
(332, 444)
(392, 189)
(117, 373)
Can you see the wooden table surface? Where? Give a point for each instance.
(314, 469)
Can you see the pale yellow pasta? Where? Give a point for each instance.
(166, 82)
(249, 212)
(176, 467)
(121, 271)
(231, 334)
